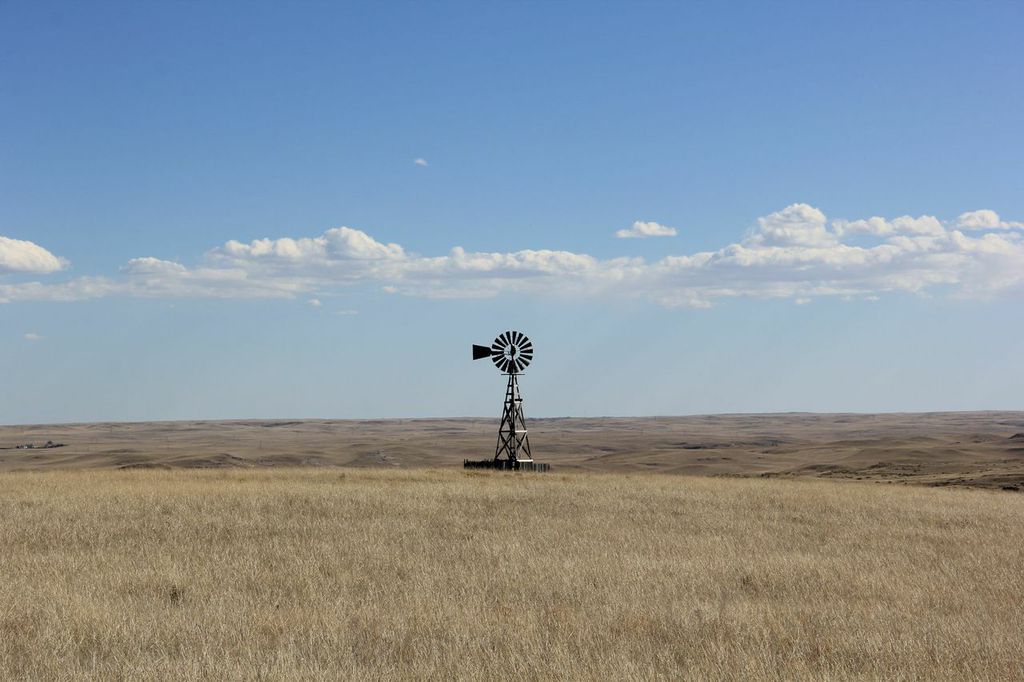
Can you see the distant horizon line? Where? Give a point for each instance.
(496, 417)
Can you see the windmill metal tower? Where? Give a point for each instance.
(511, 353)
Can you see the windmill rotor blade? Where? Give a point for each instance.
(511, 351)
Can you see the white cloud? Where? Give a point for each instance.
(32, 336)
(985, 220)
(315, 302)
(795, 225)
(334, 245)
(17, 255)
(78, 289)
(795, 253)
(422, 163)
(153, 266)
(880, 227)
(641, 229)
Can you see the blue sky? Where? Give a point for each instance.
(214, 210)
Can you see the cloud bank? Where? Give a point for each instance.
(796, 253)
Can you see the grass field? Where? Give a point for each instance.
(321, 574)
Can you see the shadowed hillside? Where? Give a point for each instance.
(981, 449)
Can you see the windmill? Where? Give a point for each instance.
(511, 353)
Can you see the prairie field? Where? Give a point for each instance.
(327, 573)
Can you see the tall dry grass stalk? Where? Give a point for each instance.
(363, 574)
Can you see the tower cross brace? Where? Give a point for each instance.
(513, 440)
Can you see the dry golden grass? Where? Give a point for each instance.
(326, 574)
